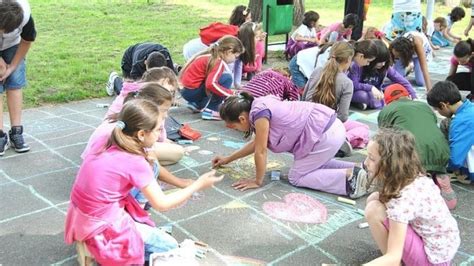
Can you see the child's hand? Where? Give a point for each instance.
(245, 184)
(208, 179)
(378, 95)
(218, 161)
(186, 182)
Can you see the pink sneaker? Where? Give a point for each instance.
(448, 194)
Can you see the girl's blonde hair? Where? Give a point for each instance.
(136, 115)
(325, 89)
(399, 164)
(216, 50)
(157, 74)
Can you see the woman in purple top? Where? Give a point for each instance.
(309, 131)
(368, 80)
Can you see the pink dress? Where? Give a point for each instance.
(102, 213)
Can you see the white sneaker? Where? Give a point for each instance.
(359, 183)
(109, 88)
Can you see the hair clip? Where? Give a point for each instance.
(120, 124)
(245, 12)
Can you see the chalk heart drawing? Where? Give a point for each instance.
(298, 208)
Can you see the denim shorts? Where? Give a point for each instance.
(17, 79)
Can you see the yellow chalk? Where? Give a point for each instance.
(345, 200)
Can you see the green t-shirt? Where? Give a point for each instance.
(419, 119)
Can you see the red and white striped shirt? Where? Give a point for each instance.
(195, 74)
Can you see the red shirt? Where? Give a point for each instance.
(195, 74)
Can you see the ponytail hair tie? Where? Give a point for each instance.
(216, 44)
(120, 124)
(135, 94)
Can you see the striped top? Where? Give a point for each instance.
(269, 82)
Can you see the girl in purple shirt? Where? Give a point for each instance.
(309, 131)
(368, 80)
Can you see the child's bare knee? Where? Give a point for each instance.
(375, 211)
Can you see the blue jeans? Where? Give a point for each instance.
(296, 75)
(17, 79)
(200, 99)
(137, 194)
(419, 79)
(156, 240)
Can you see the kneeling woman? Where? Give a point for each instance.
(311, 132)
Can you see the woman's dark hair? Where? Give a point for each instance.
(404, 47)
(238, 16)
(233, 106)
(350, 20)
(366, 48)
(247, 36)
(464, 48)
(457, 14)
(309, 17)
(383, 55)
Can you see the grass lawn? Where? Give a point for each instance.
(80, 41)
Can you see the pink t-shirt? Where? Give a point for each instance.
(117, 104)
(109, 176)
(455, 62)
(421, 206)
(335, 27)
(98, 139)
(102, 212)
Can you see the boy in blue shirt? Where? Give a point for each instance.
(446, 99)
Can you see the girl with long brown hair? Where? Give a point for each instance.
(408, 218)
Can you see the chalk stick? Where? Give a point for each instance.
(202, 244)
(201, 256)
(185, 141)
(361, 212)
(363, 225)
(345, 200)
(102, 105)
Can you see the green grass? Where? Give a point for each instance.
(80, 41)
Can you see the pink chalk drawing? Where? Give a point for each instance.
(298, 208)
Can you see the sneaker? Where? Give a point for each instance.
(177, 67)
(345, 150)
(448, 194)
(208, 114)
(16, 139)
(361, 106)
(358, 185)
(4, 144)
(109, 88)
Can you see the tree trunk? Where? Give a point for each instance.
(298, 12)
(255, 7)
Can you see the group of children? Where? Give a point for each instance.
(304, 112)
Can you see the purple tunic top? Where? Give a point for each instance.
(295, 126)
